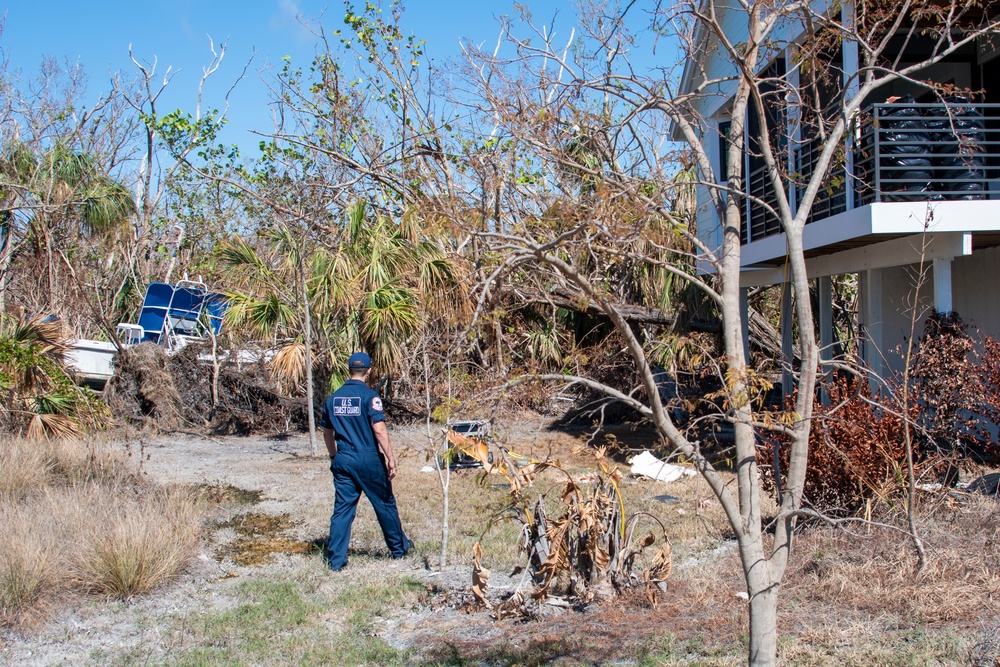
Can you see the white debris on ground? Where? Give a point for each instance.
(647, 465)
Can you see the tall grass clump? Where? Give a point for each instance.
(78, 510)
(24, 468)
(134, 545)
(27, 564)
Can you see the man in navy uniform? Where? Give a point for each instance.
(361, 460)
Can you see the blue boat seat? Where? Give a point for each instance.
(153, 315)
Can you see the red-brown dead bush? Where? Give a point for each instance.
(855, 451)
(857, 445)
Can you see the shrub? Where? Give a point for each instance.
(855, 451)
(955, 382)
(39, 397)
(857, 447)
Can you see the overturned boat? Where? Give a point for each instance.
(172, 316)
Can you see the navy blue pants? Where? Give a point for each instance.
(354, 472)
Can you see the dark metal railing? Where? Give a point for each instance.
(904, 151)
(927, 152)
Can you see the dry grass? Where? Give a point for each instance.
(27, 564)
(852, 596)
(22, 470)
(877, 570)
(74, 510)
(133, 544)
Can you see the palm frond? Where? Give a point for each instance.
(56, 402)
(356, 213)
(545, 346)
(288, 366)
(392, 308)
(107, 207)
(243, 261)
(284, 244)
(390, 317)
(65, 165)
(52, 426)
(333, 284)
(271, 314)
(18, 162)
(264, 317)
(45, 334)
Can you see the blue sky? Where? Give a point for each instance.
(176, 33)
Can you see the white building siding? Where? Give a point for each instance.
(976, 289)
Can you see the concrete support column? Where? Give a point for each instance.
(870, 314)
(824, 289)
(787, 344)
(942, 285)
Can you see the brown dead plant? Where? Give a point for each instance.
(580, 548)
(142, 390)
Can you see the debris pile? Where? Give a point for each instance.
(151, 389)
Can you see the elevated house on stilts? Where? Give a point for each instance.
(917, 180)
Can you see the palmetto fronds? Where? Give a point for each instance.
(105, 206)
(372, 289)
(243, 264)
(545, 344)
(37, 396)
(52, 426)
(265, 316)
(288, 367)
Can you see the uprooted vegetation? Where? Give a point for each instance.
(151, 388)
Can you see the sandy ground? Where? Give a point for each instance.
(292, 482)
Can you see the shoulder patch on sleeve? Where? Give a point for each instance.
(377, 404)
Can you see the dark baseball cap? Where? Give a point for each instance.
(359, 361)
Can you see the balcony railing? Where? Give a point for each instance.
(920, 152)
(903, 151)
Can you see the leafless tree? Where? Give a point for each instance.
(593, 132)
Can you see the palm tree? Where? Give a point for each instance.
(37, 395)
(366, 291)
(55, 199)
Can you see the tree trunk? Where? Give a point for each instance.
(307, 334)
(444, 474)
(763, 622)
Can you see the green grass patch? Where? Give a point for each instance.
(286, 622)
(369, 602)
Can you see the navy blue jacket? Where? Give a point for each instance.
(349, 412)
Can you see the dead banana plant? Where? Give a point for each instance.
(585, 551)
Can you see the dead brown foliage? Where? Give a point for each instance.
(856, 451)
(151, 389)
(589, 549)
(142, 390)
(877, 571)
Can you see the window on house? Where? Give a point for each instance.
(724, 148)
